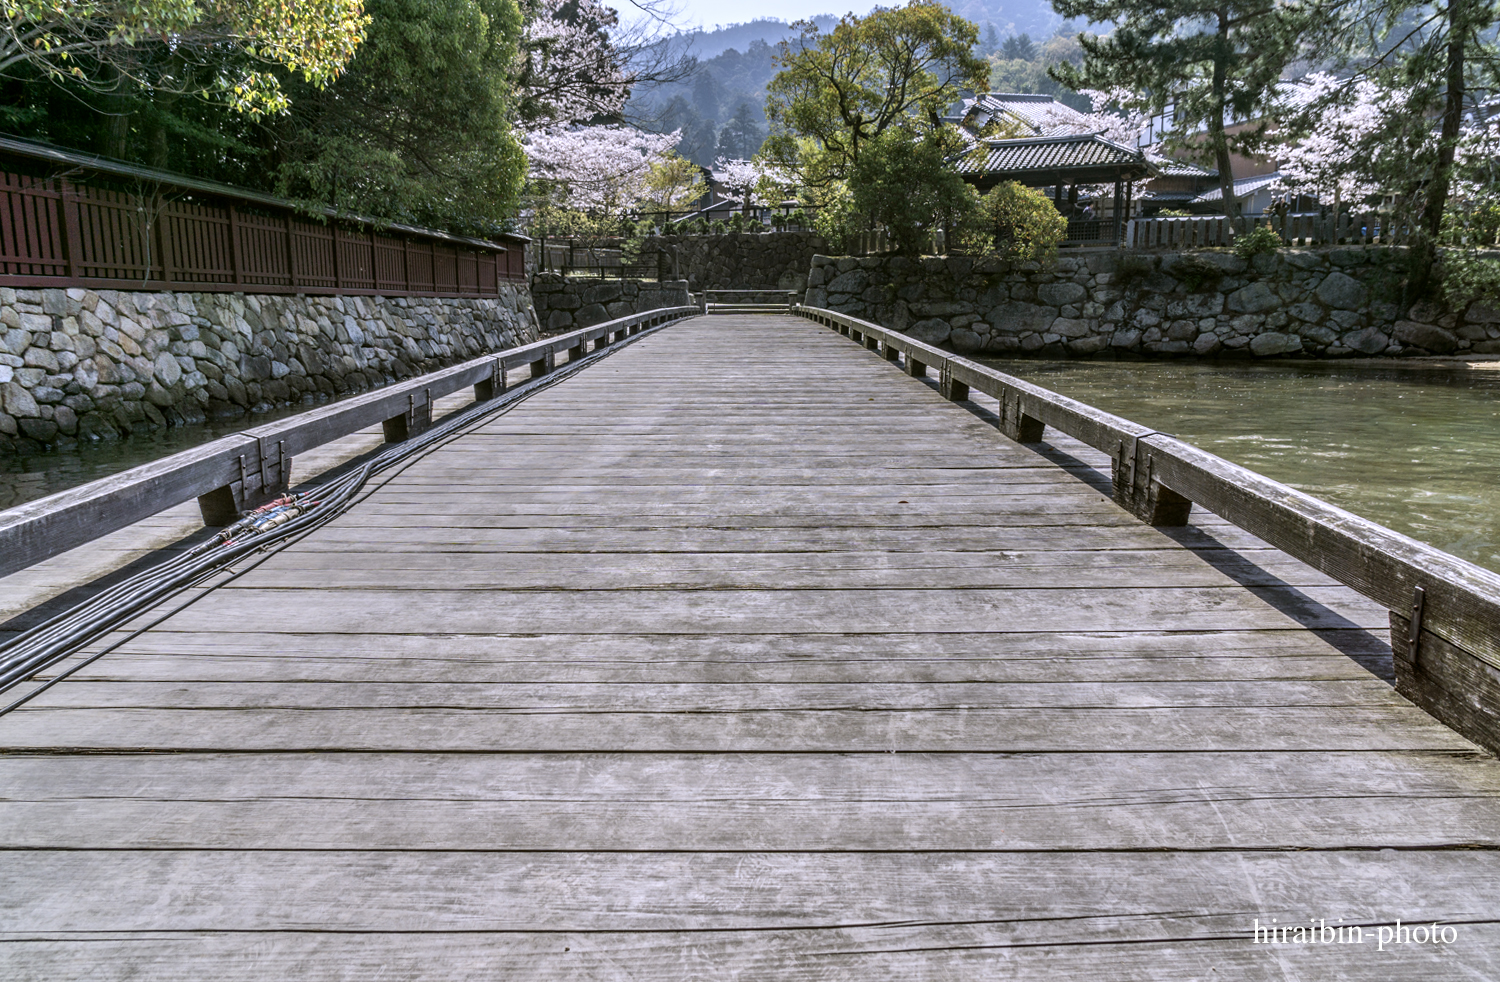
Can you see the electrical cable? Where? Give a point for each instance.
(276, 524)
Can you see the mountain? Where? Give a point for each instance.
(720, 108)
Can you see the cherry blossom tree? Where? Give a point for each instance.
(1337, 160)
(568, 71)
(748, 179)
(599, 170)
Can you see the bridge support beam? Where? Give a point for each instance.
(263, 478)
(951, 388)
(487, 389)
(543, 365)
(891, 354)
(1016, 424)
(914, 368)
(1137, 491)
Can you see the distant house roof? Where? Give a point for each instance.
(1181, 168)
(1242, 187)
(1166, 196)
(1041, 114)
(1086, 159)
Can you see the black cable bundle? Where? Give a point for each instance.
(48, 643)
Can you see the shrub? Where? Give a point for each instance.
(904, 181)
(1469, 278)
(1257, 242)
(1174, 213)
(1195, 272)
(1023, 224)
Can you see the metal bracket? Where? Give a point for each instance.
(1414, 632)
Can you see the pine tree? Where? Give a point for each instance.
(1213, 63)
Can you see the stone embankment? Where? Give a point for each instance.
(566, 303)
(86, 364)
(770, 260)
(1330, 303)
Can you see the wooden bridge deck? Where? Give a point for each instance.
(742, 656)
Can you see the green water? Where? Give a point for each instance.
(1416, 449)
(25, 477)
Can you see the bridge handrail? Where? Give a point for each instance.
(1453, 670)
(253, 465)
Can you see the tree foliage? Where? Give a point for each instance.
(903, 180)
(419, 127)
(673, 182)
(1018, 47)
(839, 90)
(103, 44)
(1023, 224)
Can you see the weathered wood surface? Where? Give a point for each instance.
(1159, 479)
(41, 529)
(696, 666)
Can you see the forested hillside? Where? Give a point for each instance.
(720, 109)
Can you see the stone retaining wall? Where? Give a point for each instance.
(86, 364)
(568, 303)
(771, 260)
(1325, 303)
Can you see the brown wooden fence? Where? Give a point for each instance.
(105, 225)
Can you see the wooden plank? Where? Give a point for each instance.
(754, 611)
(38, 529)
(1052, 898)
(1032, 730)
(691, 697)
(922, 951)
(557, 802)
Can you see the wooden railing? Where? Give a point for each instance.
(67, 220)
(1205, 231)
(1444, 612)
(243, 470)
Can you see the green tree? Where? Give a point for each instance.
(104, 44)
(1212, 62)
(419, 127)
(1018, 47)
(674, 182)
(903, 180)
(1022, 223)
(838, 91)
(741, 137)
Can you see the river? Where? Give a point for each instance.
(1415, 448)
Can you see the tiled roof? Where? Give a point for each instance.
(1181, 168)
(1043, 114)
(1242, 187)
(1046, 154)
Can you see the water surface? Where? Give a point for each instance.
(25, 477)
(1416, 449)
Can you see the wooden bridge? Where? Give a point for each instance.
(742, 655)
